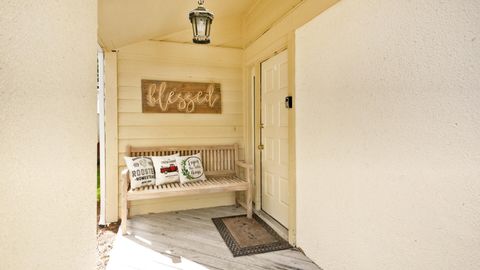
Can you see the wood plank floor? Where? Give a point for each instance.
(189, 240)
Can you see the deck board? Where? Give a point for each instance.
(189, 240)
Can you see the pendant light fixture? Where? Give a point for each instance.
(201, 20)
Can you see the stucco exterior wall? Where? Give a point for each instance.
(48, 134)
(388, 149)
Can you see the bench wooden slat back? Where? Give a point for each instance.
(217, 159)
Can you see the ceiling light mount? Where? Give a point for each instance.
(201, 20)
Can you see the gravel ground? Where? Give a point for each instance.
(105, 237)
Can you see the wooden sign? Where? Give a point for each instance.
(180, 97)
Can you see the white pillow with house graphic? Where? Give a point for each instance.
(141, 171)
(166, 169)
(190, 168)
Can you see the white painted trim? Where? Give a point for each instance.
(254, 81)
(252, 98)
(111, 137)
(101, 134)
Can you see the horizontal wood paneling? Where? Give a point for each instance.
(169, 52)
(178, 62)
(156, 66)
(122, 143)
(189, 120)
(227, 62)
(133, 79)
(129, 105)
(179, 132)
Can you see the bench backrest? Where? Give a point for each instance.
(217, 159)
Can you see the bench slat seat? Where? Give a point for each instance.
(221, 166)
(213, 184)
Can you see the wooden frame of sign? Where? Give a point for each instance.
(180, 97)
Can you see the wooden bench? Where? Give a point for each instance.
(221, 167)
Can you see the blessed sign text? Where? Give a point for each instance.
(180, 97)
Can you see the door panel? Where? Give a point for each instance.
(274, 137)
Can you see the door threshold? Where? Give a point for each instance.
(275, 225)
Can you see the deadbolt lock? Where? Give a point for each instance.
(261, 147)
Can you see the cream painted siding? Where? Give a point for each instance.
(178, 62)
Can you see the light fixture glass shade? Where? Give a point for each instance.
(201, 20)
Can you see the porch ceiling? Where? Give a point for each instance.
(128, 21)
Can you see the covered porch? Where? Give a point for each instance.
(152, 42)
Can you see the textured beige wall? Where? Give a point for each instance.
(178, 62)
(388, 149)
(48, 134)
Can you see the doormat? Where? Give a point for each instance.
(245, 236)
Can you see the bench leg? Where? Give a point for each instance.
(237, 199)
(249, 203)
(248, 195)
(124, 216)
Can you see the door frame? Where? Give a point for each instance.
(254, 97)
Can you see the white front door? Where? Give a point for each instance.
(274, 137)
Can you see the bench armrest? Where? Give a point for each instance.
(248, 196)
(124, 180)
(125, 177)
(244, 165)
(247, 167)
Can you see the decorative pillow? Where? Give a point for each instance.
(166, 169)
(190, 168)
(141, 170)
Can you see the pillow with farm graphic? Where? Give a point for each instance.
(166, 169)
(141, 171)
(190, 168)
